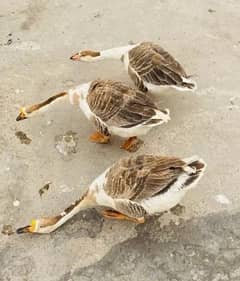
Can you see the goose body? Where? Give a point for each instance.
(133, 188)
(153, 183)
(114, 108)
(117, 108)
(148, 65)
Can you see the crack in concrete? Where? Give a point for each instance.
(201, 249)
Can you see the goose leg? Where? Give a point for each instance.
(111, 214)
(99, 138)
(132, 144)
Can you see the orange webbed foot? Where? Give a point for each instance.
(111, 214)
(99, 138)
(132, 144)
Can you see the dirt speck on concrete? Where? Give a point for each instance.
(24, 139)
(66, 144)
(97, 15)
(44, 189)
(211, 10)
(7, 229)
(178, 210)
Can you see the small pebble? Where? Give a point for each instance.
(177, 222)
(7, 229)
(211, 11)
(9, 42)
(233, 103)
(97, 15)
(16, 203)
(44, 189)
(222, 199)
(232, 99)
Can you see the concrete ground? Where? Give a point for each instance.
(36, 40)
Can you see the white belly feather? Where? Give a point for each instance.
(157, 89)
(171, 197)
(139, 130)
(162, 202)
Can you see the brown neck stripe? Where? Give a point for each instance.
(46, 102)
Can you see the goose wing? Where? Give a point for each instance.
(141, 177)
(119, 105)
(154, 65)
(145, 176)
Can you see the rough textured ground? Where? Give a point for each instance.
(36, 40)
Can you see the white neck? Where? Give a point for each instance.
(78, 206)
(78, 92)
(78, 96)
(115, 53)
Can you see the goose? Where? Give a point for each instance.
(131, 189)
(149, 66)
(113, 107)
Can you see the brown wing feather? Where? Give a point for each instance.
(143, 176)
(119, 105)
(103, 100)
(155, 65)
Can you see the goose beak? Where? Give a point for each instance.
(75, 57)
(25, 229)
(22, 114)
(20, 117)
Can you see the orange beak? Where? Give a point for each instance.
(22, 114)
(20, 117)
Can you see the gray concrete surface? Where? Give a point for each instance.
(202, 243)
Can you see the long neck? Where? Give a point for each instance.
(55, 222)
(45, 104)
(115, 53)
(40, 107)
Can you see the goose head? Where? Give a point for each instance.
(86, 55)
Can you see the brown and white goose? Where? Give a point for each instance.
(132, 188)
(148, 65)
(113, 107)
